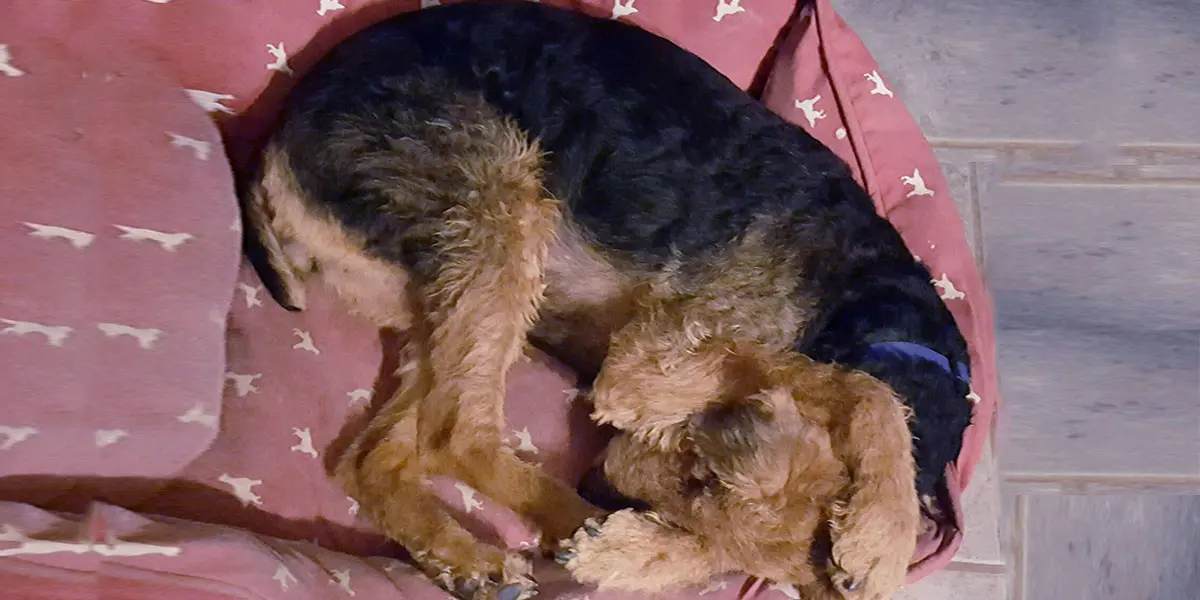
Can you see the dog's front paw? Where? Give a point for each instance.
(512, 580)
(637, 552)
(615, 552)
(870, 557)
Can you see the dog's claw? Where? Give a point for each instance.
(515, 591)
(466, 588)
(592, 527)
(563, 557)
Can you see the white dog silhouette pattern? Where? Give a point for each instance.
(242, 488)
(6, 65)
(200, 148)
(918, 184)
(880, 89)
(211, 101)
(470, 502)
(341, 578)
(305, 343)
(77, 239)
(809, 108)
(169, 241)
(623, 9)
(145, 337)
(305, 445)
(108, 437)
(328, 6)
(726, 8)
(280, 64)
(15, 435)
(243, 385)
(946, 288)
(55, 335)
(196, 414)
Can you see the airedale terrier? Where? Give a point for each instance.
(495, 171)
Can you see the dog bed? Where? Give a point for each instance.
(166, 426)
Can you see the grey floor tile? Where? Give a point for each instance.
(1094, 258)
(1097, 293)
(981, 513)
(956, 585)
(966, 178)
(1099, 403)
(1113, 547)
(1157, 72)
(1095, 70)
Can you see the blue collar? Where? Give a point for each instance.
(887, 349)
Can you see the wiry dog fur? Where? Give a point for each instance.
(676, 240)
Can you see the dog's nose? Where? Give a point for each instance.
(596, 489)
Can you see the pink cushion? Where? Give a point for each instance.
(296, 383)
(120, 244)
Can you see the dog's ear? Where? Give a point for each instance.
(732, 427)
(267, 255)
(742, 442)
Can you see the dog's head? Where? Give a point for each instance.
(942, 410)
(290, 239)
(762, 471)
(270, 242)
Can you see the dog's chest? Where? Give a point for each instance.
(587, 298)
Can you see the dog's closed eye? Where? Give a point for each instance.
(737, 442)
(731, 428)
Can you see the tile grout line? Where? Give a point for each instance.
(1070, 180)
(1018, 541)
(1061, 144)
(978, 567)
(1080, 482)
(1080, 163)
(977, 219)
(1111, 477)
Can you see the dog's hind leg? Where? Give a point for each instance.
(382, 469)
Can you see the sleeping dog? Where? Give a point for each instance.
(491, 172)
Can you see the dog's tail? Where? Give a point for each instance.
(261, 243)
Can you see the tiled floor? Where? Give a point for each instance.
(1069, 132)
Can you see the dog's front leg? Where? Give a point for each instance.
(875, 529)
(383, 470)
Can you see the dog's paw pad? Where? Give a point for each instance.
(516, 591)
(848, 572)
(466, 588)
(516, 581)
(591, 527)
(845, 581)
(510, 581)
(602, 550)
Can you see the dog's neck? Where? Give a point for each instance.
(901, 318)
(910, 350)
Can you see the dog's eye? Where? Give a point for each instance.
(849, 585)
